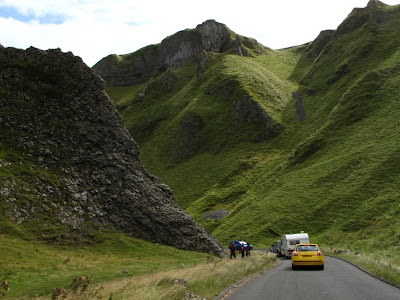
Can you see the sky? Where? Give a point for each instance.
(93, 29)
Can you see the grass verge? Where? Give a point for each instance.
(116, 267)
(378, 264)
(34, 268)
(205, 280)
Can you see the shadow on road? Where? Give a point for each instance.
(308, 268)
(300, 268)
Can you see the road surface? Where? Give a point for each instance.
(339, 280)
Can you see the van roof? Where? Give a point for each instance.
(297, 236)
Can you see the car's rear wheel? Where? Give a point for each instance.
(321, 267)
(294, 267)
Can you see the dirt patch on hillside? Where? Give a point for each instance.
(216, 215)
(300, 111)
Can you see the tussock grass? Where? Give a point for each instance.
(35, 268)
(117, 267)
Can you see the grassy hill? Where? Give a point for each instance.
(323, 160)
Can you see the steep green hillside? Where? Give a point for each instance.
(203, 124)
(323, 160)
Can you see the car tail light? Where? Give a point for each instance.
(294, 253)
(319, 253)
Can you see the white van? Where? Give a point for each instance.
(288, 241)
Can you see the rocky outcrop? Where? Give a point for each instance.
(214, 36)
(70, 160)
(179, 48)
(171, 53)
(316, 47)
(216, 215)
(373, 12)
(131, 68)
(239, 50)
(204, 59)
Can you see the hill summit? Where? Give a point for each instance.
(68, 166)
(172, 52)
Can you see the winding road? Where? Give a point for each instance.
(339, 280)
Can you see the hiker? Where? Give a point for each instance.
(248, 248)
(232, 247)
(242, 250)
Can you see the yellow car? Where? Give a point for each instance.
(307, 255)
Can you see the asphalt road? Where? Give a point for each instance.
(339, 280)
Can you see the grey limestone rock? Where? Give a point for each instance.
(59, 119)
(171, 53)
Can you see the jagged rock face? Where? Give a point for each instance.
(316, 47)
(203, 60)
(170, 54)
(178, 48)
(214, 35)
(83, 164)
(139, 69)
(239, 50)
(373, 12)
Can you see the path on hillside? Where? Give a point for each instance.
(298, 100)
(339, 280)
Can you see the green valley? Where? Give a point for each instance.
(304, 138)
(129, 179)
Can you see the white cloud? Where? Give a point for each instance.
(93, 29)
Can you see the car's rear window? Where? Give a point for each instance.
(307, 248)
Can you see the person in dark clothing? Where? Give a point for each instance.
(248, 248)
(243, 249)
(232, 248)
